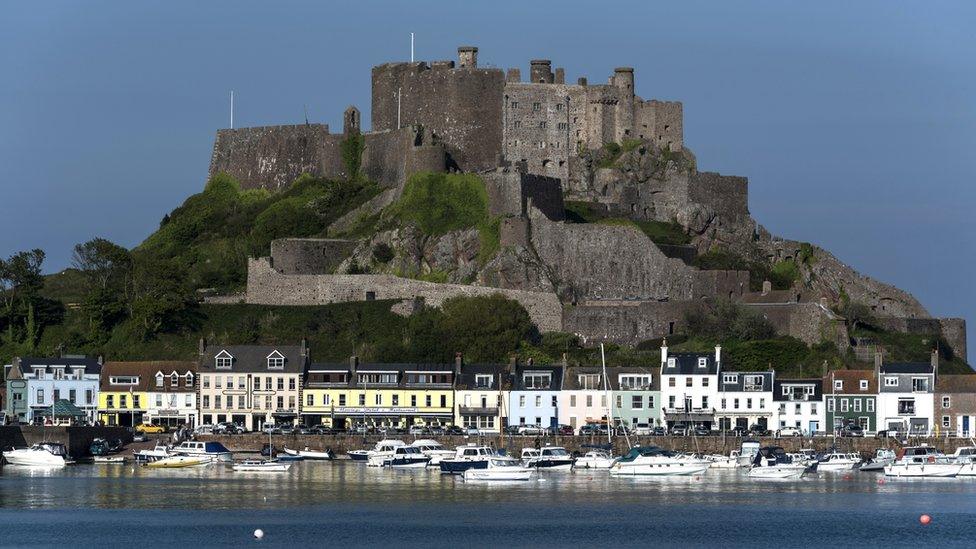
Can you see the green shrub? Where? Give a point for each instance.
(382, 252)
(351, 150)
(783, 274)
(438, 203)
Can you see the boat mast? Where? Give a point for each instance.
(606, 390)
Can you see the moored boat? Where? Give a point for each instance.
(882, 458)
(597, 458)
(837, 461)
(382, 450)
(467, 457)
(965, 456)
(547, 458)
(214, 451)
(772, 463)
(654, 461)
(432, 449)
(261, 466)
(44, 454)
(159, 452)
(178, 462)
(500, 468)
(719, 461)
(404, 457)
(313, 455)
(747, 452)
(922, 462)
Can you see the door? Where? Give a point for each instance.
(814, 427)
(965, 425)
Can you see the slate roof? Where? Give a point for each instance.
(466, 379)
(687, 364)
(253, 359)
(401, 369)
(817, 383)
(571, 377)
(965, 383)
(146, 371)
(906, 368)
(851, 379)
(555, 371)
(739, 384)
(27, 364)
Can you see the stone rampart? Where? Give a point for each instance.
(512, 193)
(310, 255)
(268, 286)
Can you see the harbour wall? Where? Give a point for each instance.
(340, 444)
(75, 439)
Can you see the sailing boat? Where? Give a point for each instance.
(270, 465)
(601, 456)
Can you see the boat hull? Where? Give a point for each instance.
(777, 472)
(875, 467)
(923, 470)
(358, 455)
(457, 466)
(593, 463)
(968, 470)
(545, 464)
(517, 474)
(406, 463)
(33, 458)
(270, 468)
(178, 462)
(676, 469)
(829, 467)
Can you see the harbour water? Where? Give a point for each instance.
(343, 504)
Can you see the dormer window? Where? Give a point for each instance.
(671, 362)
(276, 361)
(174, 379)
(58, 373)
(189, 379)
(223, 360)
(483, 381)
(39, 373)
(864, 385)
(702, 362)
(159, 379)
(838, 384)
(78, 371)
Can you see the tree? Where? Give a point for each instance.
(20, 277)
(487, 328)
(104, 263)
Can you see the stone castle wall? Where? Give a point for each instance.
(310, 255)
(511, 194)
(268, 286)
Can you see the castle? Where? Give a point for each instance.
(535, 144)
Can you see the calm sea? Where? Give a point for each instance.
(345, 505)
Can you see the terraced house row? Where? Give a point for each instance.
(258, 384)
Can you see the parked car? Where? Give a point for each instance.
(204, 429)
(565, 431)
(593, 429)
(287, 429)
(852, 430)
(435, 430)
(642, 429)
(738, 431)
(702, 431)
(679, 430)
(659, 432)
(139, 436)
(417, 430)
(151, 428)
(456, 430)
(530, 430)
(271, 429)
(511, 429)
(789, 432)
(302, 429)
(470, 431)
(228, 428)
(321, 430)
(759, 431)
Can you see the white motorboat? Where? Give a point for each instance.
(965, 456)
(883, 457)
(500, 468)
(160, 451)
(179, 462)
(434, 450)
(719, 461)
(922, 462)
(594, 459)
(654, 461)
(469, 456)
(44, 454)
(772, 463)
(261, 466)
(548, 458)
(314, 455)
(748, 452)
(109, 459)
(382, 450)
(836, 461)
(403, 457)
(214, 451)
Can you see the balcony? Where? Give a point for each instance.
(478, 411)
(753, 388)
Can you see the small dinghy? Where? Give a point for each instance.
(178, 462)
(261, 466)
(317, 455)
(109, 459)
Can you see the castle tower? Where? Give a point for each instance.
(623, 80)
(350, 120)
(467, 57)
(541, 71)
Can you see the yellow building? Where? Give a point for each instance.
(123, 398)
(396, 395)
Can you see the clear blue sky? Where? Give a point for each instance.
(854, 121)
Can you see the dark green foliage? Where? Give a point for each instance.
(658, 231)
(806, 255)
(608, 155)
(725, 320)
(351, 150)
(488, 328)
(583, 212)
(784, 274)
(382, 252)
(438, 203)
(664, 233)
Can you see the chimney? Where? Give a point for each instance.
(203, 345)
(458, 360)
(581, 81)
(934, 358)
(305, 348)
(99, 360)
(353, 362)
(878, 362)
(541, 71)
(467, 57)
(565, 360)
(560, 75)
(664, 352)
(718, 355)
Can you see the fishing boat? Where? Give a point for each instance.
(548, 458)
(44, 454)
(179, 462)
(261, 466)
(772, 463)
(965, 456)
(598, 457)
(837, 461)
(159, 452)
(500, 468)
(467, 457)
(402, 457)
(432, 449)
(922, 462)
(883, 457)
(213, 451)
(654, 461)
(312, 455)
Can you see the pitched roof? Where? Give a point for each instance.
(571, 381)
(91, 365)
(467, 377)
(555, 371)
(963, 383)
(852, 382)
(253, 358)
(146, 372)
(687, 364)
(61, 408)
(906, 368)
(817, 383)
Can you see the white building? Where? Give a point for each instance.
(689, 387)
(906, 401)
(799, 403)
(745, 399)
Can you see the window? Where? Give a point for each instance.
(725, 403)
(536, 106)
(124, 380)
(589, 381)
(619, 401)
(159, 379)
(427, 401)
(514, 104)
(291, 384)
(110, 401)
(240, 402)
(671, 401)
(920, 385)
(327, 399)
(734, 378)
(413, 401)
(748, 404)
(671, 381)
(864, 385)
(281, 402)
(637, 402)
(702, 362)
(589, 401)
(635, 382)
(483, 381)
(309, 399)
(945, 422)
(56, 395)
(688, 381)
(813, 408)
(89, 396)
(444, 401)
(362, 399)
(559, 106)
(838, 384)
(123, 401)
(206, 382)
(782, 409)
(542, 125)
(174, 380)
(830, 405)
(891, 381)
(256, 383)
(797, 409)
(40, 396)
(752, 383)
(562, 126)
(281, 383)
(267, 383)
(844, 405)
(945, 402)
(378, 401)
(870, 405)
(906, 406)
(223, 360)
(242, 382)
(735, 403)
(206, 401)
(342, 399)
(189, 379)
(572, 400)
(276, 361)
(704, 382)
(857, 405)
(230, 401)
(521, 401)
(188, 401)
(650, 401)
(291, 402)
(762, 404)
(555, 401)
(389, 378)
(538, 401)
(704, 402)
(159, 400)
(671, 363)
(537, 380)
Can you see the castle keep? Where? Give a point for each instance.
(536, 142)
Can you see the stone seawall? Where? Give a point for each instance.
(76, 439)
(340, 444)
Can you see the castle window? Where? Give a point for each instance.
(562, 126)
(536, 106)
(543, 125)
(667, 127)
(518, 124)
(514, 104)
(559, 107)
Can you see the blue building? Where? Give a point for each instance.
(534, 398)
(35, 384)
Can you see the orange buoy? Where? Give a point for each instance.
(925, 519)
(880, 481)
